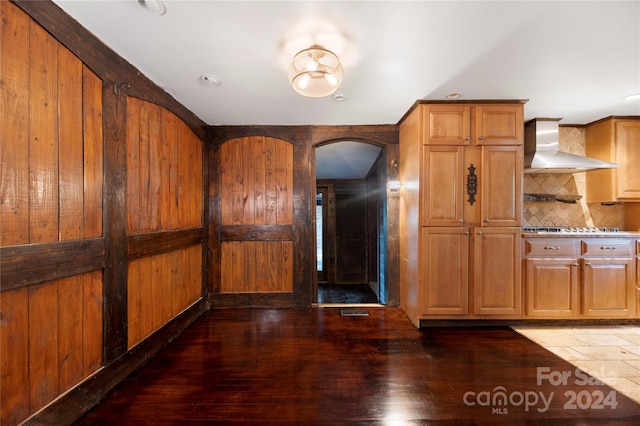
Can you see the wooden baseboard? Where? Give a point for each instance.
(74, 403)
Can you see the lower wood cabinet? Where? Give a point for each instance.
(572, 278)
(470, 272)
(497, 288)
(552, 288)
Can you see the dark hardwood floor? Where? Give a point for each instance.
(345, 293)
(316, 367)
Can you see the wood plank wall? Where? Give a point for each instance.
(256, 182)
(164, 193)
(60, 162)
(51, 170)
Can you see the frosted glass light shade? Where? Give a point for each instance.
(315, 72)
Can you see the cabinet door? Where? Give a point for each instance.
(551, 288)
(608, 288)
(628, 156)
(447, 125)
(500, 124)
(445, 260)
(496, 272)
(442, 175)
(501, 183)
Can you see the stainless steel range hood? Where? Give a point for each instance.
(541, 154)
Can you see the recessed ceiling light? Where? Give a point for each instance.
(453, 95)
(632, 97)
(211, 79)
(155, 7)
(339, 97)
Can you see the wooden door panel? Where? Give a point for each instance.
(445, 271)
(552, 289)
(628, 155)
(608, 286)
(499, 124)
(256, 208)
(442, 180)
(447, 125)
(501, 185)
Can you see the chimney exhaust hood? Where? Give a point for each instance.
(541, 154)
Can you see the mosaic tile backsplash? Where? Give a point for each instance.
(557, 213)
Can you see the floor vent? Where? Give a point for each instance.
(354, 312)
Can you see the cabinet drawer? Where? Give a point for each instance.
(546, 247)
(610, 247)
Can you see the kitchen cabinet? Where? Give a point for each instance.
(638, 278)
(551, 282)
(445, 259)
(497, 272)
(616, 140)
(579, 278)
(608, 279)
(462, 168)
(469, 124)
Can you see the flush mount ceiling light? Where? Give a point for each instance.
(315, 72)
(155, 7)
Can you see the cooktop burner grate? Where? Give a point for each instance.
(570, 229)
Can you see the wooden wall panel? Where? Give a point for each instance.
(164, 178)
(93, 153)
(51, 138)
(256, 184)
(71, 146)
(160, 287)
(14, 125)
(14, 347)
(51, 339)
(43, 137)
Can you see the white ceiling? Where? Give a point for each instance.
(571, 59)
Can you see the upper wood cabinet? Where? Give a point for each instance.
(615, 140)
(501, 185)
(469, 124)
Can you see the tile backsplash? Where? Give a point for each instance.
(557, 213)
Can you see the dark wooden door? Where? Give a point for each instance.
(351, 236)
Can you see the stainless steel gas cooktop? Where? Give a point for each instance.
(571, 230)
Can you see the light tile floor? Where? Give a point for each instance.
(608, 353)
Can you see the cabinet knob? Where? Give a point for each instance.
(587, 264)
(466, 138)
(607, 248)
(460, 220)
(466, 233)
(574, 264)
(486, 221)
(481, 138)
(552, 248)
(479, 232)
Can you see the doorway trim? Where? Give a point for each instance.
(386, 137)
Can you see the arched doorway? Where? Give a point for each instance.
(351, 226)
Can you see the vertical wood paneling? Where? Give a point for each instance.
(155, 178)
(171, 137)
(14, 125)
(14, 356)
(146, 297)
(70, 307)
(71, 145)
(175, 260)
(160, 287)
(271, 194)
(93, 153)
(133, 167)
(259, 181)
(144, 183)
(92, 322)
(256, 176)
(133, 304)
(43, 136)
(164, 160)
(43, 344)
